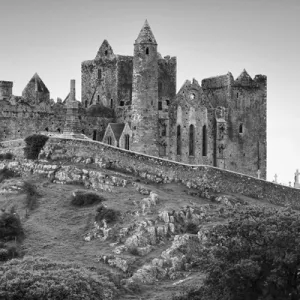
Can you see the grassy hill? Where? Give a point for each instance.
(58, 230)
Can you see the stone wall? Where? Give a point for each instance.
(160, 170)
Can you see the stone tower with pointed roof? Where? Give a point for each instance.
(144, 121)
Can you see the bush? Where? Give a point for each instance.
(86, 198)
(110, 215)
(255, 256)
(192, 228)
(34, 144)
(31, 195)
(41, 278)
(6, 156)
(8, 252)
(6, 174)
(10, 225)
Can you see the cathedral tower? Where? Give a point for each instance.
(144, 123)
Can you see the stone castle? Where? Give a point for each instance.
(131, 102)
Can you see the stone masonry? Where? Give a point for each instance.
(219, 122)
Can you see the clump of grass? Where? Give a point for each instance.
(86, 198)
(31, 195)
(6, 156)
(7, 173)
(110, 215)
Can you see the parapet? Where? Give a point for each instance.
(5, 89)
(217, 82)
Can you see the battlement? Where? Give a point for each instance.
(216, 82)
(6, 83)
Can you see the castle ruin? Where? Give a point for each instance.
(131, 102)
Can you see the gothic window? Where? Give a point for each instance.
(241, 128)
(159, 105)
(106, 52)
(178, 140)
(127, 141)
(94, 135)
(99, 74)
(109, 140)
(192, 140)
(147, 51)
(204, 141)
(164, 130)
(111, 103)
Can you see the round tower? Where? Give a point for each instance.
(144, 123)
(5, 89)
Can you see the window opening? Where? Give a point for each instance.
(241, 128)
(159, 105)
(178, 140)
(147, 51)
(94, 135)
(192, 140)
(204, 141)
(127, 141)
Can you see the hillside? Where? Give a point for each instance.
(143, 248)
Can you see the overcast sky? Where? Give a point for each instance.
(209, 38)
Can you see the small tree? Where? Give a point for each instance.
(34, 144)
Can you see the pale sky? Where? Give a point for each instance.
(208, 37)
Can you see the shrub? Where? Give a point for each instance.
(41, 278)
(192, 228)
(255, 256)
(8, 252)
(86, 198)
(31, 195)
(10, 225)
(7, 173)
(110, 215)
(6, 156)
(34, 144)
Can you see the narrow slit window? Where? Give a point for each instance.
(99, 74)
(192, 140)
(178, 140)
(98, 99)
(109, 140)
(241, 128)
(94, 135)
(111, 103)
(159, 105)
(204, 141)
(127, 141)
(147, 51)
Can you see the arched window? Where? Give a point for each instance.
(111, 103)
(241, 128)
(204, 141)
(126, 141)
(178, 140)
(95, 135)
(192, 140)
(109, 140)
(147, 51)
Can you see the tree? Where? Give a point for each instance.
(255, 256)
